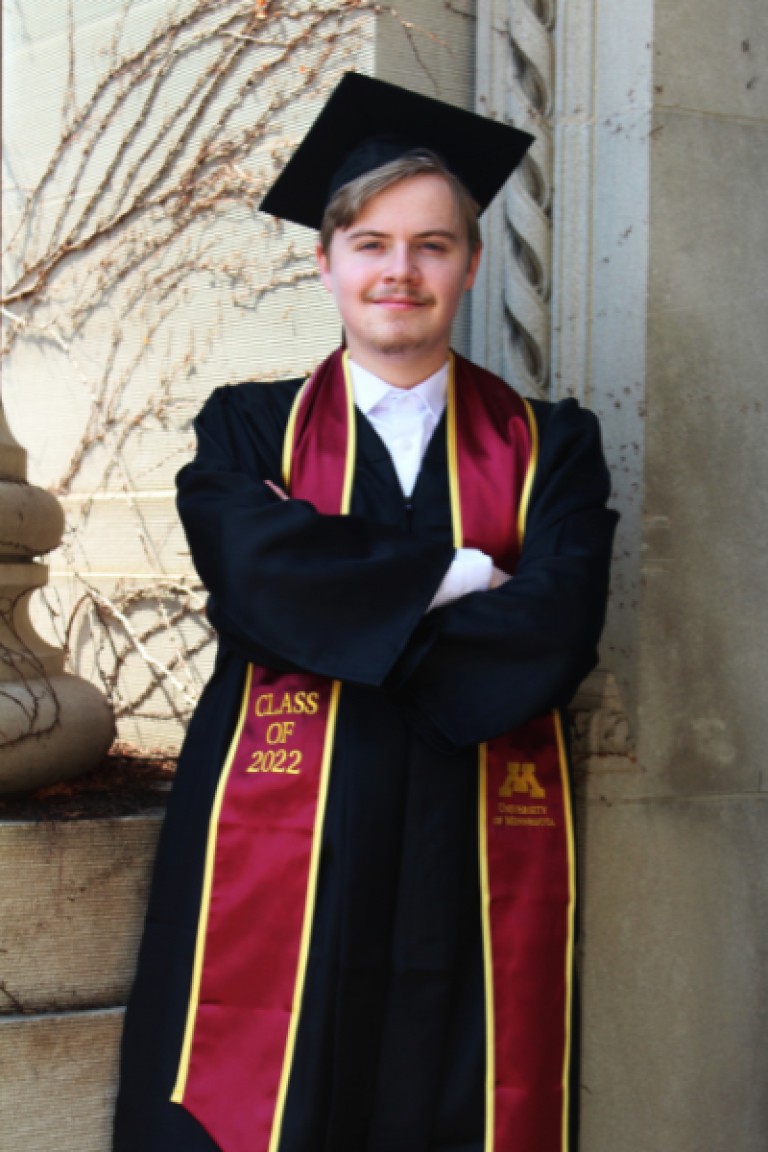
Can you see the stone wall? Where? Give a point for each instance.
(73, 900)
(676, 984)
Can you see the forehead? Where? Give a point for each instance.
(415, 204)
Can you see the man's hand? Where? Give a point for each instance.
(471, 571)
(277, 491)
(498, 578)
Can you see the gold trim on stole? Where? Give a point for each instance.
(349, 465)
(290, 430)
(177, 1096)
(453, 457)
(309, 917)
(485, 906)
(482, 796)
(567, 804)
(325, 770)
(568, 813)
(530, 472)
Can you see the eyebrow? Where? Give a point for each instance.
(356, 234)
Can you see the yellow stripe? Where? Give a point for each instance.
(567, 808)
(482, 803)
(325, 772)
(177, 1095)
(485, 898)
(453, 457)
(290, 431)
(529, 472)
(349, 467)
(309, 912)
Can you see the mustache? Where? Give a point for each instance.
(405, 297)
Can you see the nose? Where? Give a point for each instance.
(401, 266)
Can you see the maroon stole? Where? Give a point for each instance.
(266, 826)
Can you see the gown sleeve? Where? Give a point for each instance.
(494, 660)
(290, 588)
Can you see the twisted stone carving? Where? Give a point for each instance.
(528, 266)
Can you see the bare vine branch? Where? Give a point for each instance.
(179, 137)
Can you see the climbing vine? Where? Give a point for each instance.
(156, 168)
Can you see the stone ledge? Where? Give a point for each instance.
(72, 909)
(58, 1081)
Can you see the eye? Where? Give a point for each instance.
(433, 246)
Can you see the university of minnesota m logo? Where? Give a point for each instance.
(522, 778)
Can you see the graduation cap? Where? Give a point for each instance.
(367, 123)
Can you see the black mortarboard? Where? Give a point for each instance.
(366, 123)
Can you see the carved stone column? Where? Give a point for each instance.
(53, 726)
(511, 303)
(528, 206)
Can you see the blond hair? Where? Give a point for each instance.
(347, 204)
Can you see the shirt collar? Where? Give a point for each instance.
(370, 390)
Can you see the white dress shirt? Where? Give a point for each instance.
(405, 419)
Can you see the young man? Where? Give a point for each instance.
(360, 935)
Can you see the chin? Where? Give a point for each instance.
(397, 340)
(398, 346)
(397, 343)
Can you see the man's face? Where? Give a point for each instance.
(398, 273)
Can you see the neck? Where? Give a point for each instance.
(399, 369)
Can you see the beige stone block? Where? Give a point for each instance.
(429, 47)
(281, 333)
(72, 903)
(130, 535)
(703, 674)
(58, 1081)
(712, 56)
(675, 984)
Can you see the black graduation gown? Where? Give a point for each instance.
(390, 1048)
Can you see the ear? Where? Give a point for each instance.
(473, 266)
(324, 266)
